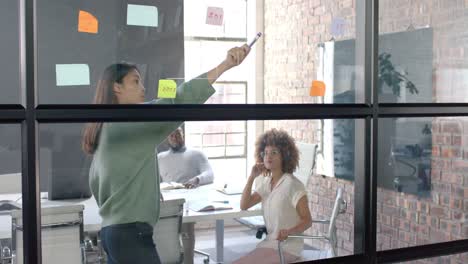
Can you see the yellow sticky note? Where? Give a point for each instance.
(87, 23)
(317, 88)
(167, 89)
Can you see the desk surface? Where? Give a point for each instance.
(92, 220)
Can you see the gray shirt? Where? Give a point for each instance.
(183, 165)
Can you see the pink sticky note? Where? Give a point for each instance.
(214, 16)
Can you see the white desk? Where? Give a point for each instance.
(209, 194)
(92, 220)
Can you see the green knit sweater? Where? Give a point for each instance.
(123, 175)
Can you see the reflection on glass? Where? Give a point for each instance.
(172, 40)
(9, 52)
(453, 259)
(229, 148)
(10, 187)
(427, 60)
(422, 181)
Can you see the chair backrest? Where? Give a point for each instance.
(168, 230)
(339, 207)
(306, 166)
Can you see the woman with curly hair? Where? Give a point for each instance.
(283, 196)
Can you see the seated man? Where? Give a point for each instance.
(187, 166)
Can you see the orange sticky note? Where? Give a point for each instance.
(317, 88)
(87, 23)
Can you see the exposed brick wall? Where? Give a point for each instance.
(293, 28)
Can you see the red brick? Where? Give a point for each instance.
(457, 140)
(422, 207)
(435, 151)
(434, 222)
(389, 231)
(438, 236)
(451, 127)
(465, 230)
(444, 225)
(445, 200)
(441, 187)
(435, 127)
(460, 192)
(438, 211)
(443, 164)
(390, 210)
(450, 152)
(406, 237)
(422, 219)
(441, 139)
(435, 174)
(420, 229)
(456, 203)
(460, 165)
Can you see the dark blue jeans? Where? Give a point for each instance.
(129, 243)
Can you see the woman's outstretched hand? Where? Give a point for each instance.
(236, 55)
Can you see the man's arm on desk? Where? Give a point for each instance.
(205, 175)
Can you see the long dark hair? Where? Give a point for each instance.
(104, 95)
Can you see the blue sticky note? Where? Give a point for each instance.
(142, 15)
(72, 74)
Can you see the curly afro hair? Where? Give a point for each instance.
(286, 145)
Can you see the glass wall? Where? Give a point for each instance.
(10, 52)
(324, 152)
(179, 40)
(10, 186)
(423, 191)
(422, 52)
(308, 63)
(460, 258)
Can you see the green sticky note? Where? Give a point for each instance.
(142, 15)
(72, 74)
(167, 89)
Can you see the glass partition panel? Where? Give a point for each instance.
(10, 52)
(422, 52)
(206, 163)
(450, 259)
(423, 184)
(10, 189)
(176, 41)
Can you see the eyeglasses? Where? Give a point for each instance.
(272, 153)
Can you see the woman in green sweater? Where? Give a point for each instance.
(122, 174)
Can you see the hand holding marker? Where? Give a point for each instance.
(259, 34)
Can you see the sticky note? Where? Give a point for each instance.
(87, 23)
(338, 26)
(214, 16)
(72, 74)
(317, 88)
(167, 89)
(142, 15)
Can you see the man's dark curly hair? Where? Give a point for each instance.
(286, 145)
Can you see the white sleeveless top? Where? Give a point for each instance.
(279, 210)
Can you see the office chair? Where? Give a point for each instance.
(167, 232)
(305, 169)
(339, 207)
